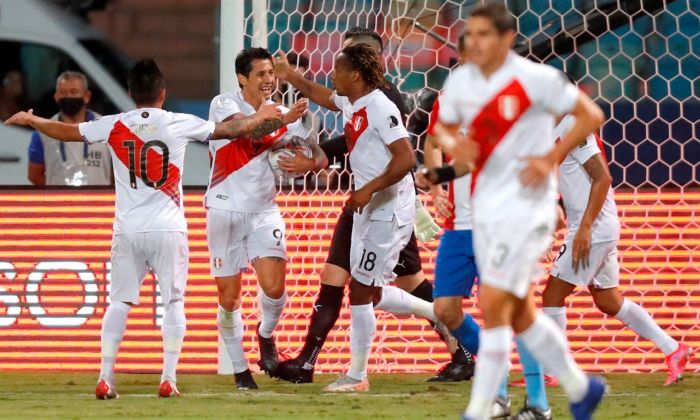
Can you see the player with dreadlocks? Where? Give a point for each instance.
(382, 202)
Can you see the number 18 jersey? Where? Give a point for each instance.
(148, 150)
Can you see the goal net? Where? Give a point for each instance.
(639, 62)
(637, 59)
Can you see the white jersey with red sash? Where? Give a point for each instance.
(148, 150)
(240, 178)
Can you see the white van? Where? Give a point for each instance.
(40, 40)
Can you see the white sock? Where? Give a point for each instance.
(491, 367)
(558, 315)
(400, 302)
(173, 330)
(271, 312)
(113, 327)
(231, 332)
(549, 346)
(639, 320)
(363, 326)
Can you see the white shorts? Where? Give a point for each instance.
(602, 272)
(135, 254)
(375, 248)
(508, 255)
(236, 238)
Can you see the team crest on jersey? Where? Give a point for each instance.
(508, 107)
(357, 123)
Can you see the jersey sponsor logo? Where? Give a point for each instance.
(218, 262)
(491, 126)
(355, 127)
(238, 152)
(222, 196)
(144, 162)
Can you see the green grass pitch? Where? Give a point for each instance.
(70, 395)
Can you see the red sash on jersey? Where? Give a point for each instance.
(355, 127)
(154, 161)
(494, 121)
(235, 155)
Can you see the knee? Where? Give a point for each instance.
(551, 298)
(363, 295)
(448, 316)
(229, 298)
(607, 306)
(274, 290)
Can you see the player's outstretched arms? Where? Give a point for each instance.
(55, 129)
(267, 119)
(589, 117)
(402, 161)
(300, 163)
(312, 90)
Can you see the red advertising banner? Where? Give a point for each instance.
(55, 271)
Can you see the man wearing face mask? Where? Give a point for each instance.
(52, 162)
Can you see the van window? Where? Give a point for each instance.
(116, 63)
(38, 66)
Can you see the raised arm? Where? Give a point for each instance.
(55, 129)
(402, 161)
(314, 91)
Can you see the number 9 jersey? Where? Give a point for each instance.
(148, 150)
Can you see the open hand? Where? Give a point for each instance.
(297, 111)
(282, 66)
(296, 164)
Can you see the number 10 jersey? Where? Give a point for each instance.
(148, 153)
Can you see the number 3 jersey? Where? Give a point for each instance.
(148, 150)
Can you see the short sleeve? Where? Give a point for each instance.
(433, 118)
(340, 101)
(36, 149)
(448, 111)
(222, 107)
(387, 122)
(585, 150)
(97, 131)
(195, 128)
(554, 92)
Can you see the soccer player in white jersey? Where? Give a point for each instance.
(244, 223)
(383, 198)
(588, 257)
(509, 105)
(148, 150)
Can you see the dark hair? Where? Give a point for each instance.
(300, 60)
(358, 32)
(365, 60)
(145, 81)
(245, 58)
(498, 14)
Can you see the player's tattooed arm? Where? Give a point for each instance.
(314, 91)
(55, 129)
(601, 180)
(268, 116)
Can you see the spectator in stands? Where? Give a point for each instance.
(52, 162)
(11, 92)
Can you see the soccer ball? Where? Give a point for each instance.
(287, 146)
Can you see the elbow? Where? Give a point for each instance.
(597, 116)
(36, 179)
(410, 162)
